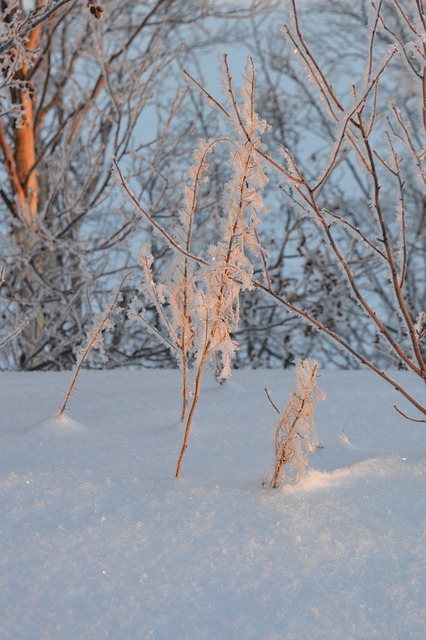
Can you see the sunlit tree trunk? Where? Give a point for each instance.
(21, 159)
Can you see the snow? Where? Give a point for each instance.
(99, 540)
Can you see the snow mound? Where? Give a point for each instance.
(364, 471)
(98, 539)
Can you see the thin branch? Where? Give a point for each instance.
(14, 333)
(334, 336)
(154, 223)
(264, 262)
(206, 93)
(404, 415)
(271, 401)
(405, 16)
(372, 38)
(392, 265)
(234, 100)
(356, 231)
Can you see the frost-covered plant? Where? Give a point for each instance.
(102, 322)
(229, 269)
(295, 433)
(198, 302)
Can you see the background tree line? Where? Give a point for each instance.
(83, 82)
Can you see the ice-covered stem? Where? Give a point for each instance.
(231, 268)
(101, 323)
(181, 279)
(228, 114)
(295, 433)
(173, 297)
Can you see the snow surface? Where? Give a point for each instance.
(98, 539)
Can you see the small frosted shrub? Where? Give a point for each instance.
(295, 433)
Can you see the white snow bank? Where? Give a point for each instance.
(98, 540)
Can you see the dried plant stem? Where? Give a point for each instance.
(206, 93)
(192, 409)
(185, 388)
(284, 453)
(92, 342)
(186, 333)
(274, 406)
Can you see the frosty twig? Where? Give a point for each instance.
(102, 322)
